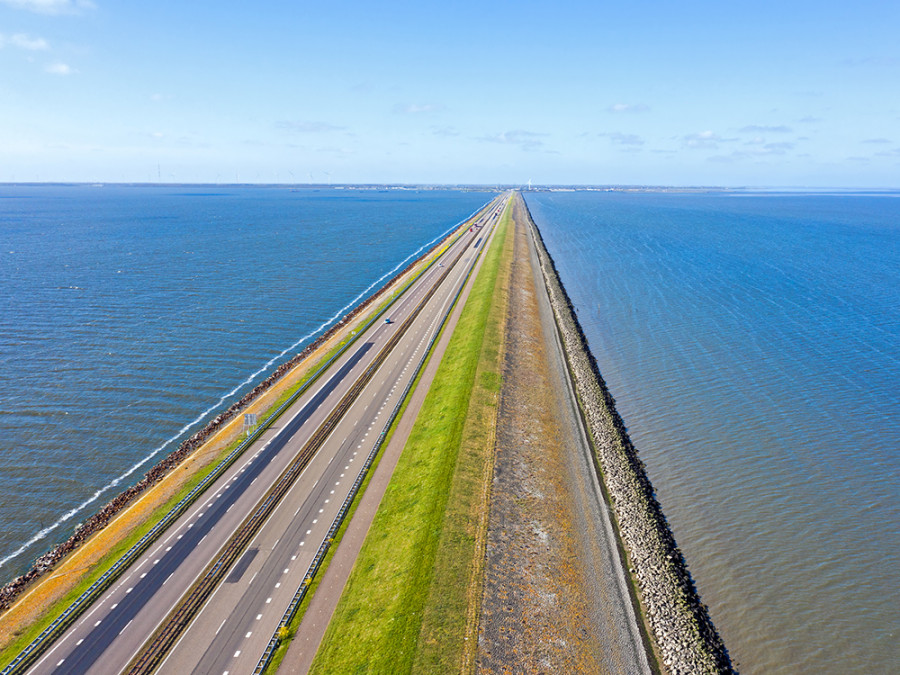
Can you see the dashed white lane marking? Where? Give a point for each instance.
(248, 635)
(315, 520)
(301, 543)
(308, 531)
(114, 606)
(98, 623)
(258, 617)
(293, 557)
(220, 626)
(167, 578)
(268, 600)
(278, 585)
(143, 575)
(60, 663)
(320, 511)
(126, 626)
(129, 590)
(79, 642)
(237, 653)
(328, 500)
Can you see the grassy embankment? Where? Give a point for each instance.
(411, 603)
(51, 593)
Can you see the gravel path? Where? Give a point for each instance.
(555, 596)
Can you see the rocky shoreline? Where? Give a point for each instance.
(105, 514)
(685, 639)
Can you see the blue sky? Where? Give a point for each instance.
(695, 93)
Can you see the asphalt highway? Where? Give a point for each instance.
(231, 631)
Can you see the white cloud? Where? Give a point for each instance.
(60, 69)
(51, 6)
(760, 129)
(24, 41)
(703, 139)
(631, 140)
(445, 131)
(526, 140)
(307, 127)
(728, 159)
(417, 108)
(628, 107)
(759, 151)
(777, 148)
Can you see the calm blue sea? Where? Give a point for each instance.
(131, 315)
(752, 343)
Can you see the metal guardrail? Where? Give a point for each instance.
(291, 611)
(42, 642)
(152, 654)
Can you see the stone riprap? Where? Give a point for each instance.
(685, 639)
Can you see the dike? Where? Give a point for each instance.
(96, 522)
(685, 640)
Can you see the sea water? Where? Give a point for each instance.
(752, 343)
(130, 316)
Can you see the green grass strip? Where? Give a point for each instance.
(378, 621)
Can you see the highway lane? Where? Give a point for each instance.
(120, 621)
(234, 628)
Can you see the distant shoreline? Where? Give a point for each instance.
(498, 187)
